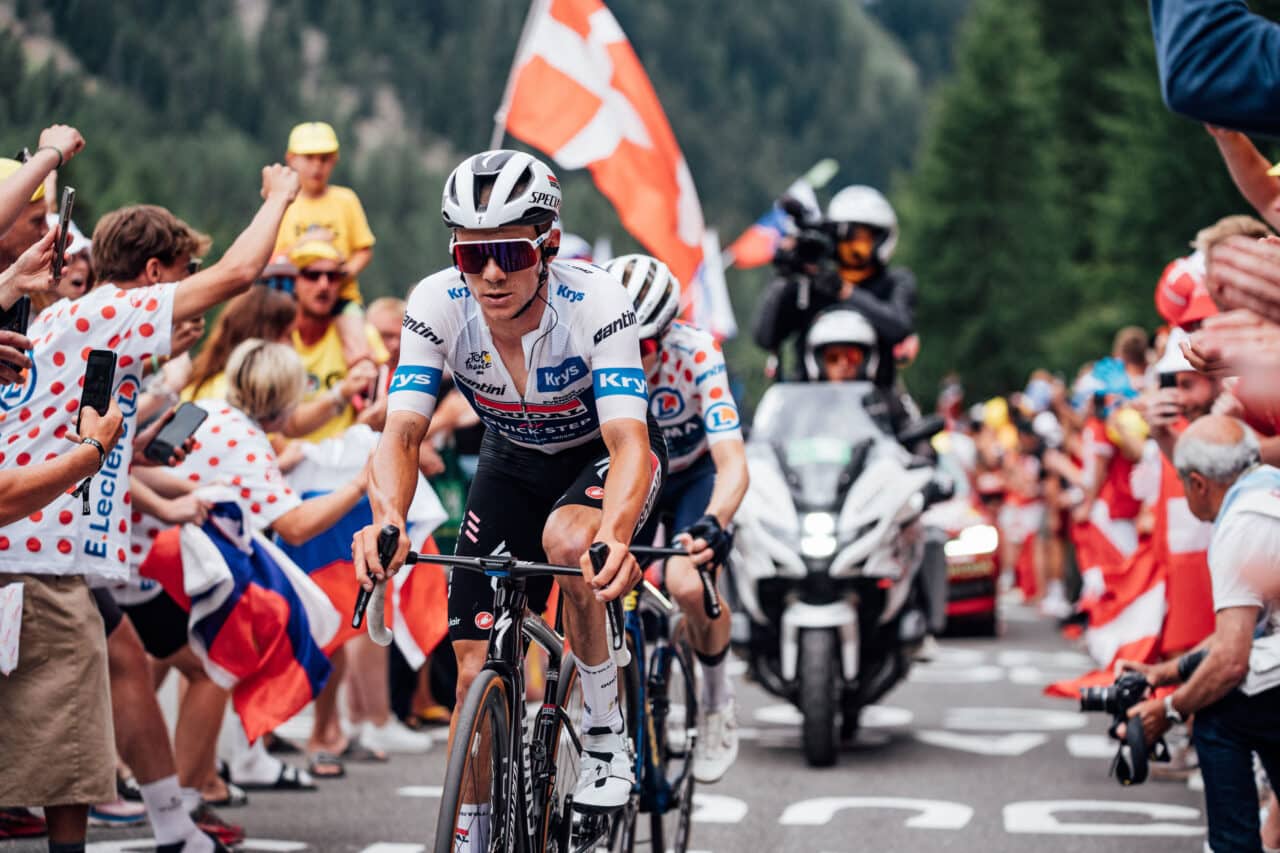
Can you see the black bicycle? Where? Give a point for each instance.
(525, 782)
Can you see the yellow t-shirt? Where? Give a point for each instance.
(338, 210)
(326, 367)
(213, 389)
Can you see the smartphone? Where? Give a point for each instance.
(16, 319)
(64, 230)
(99, 379)
(1168, 380)
(184, 423)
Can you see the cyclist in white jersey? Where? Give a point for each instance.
(689, 397)
(548, 355)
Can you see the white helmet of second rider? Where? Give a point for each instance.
(654, 291)
(839, 326)
(865, 205)
(524, 192)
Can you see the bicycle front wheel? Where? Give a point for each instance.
(673, 709)
(476, 811)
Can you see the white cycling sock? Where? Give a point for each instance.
(472, 831)
(169, 818)
(600, 695)
(717, 689)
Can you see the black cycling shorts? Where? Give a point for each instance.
(111, 613)
(514, 491)
(161, 624)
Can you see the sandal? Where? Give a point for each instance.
(277, 745)
(290, 779)
(235, 797)
(325, 765)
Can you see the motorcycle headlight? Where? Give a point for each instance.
(818, 535)
(973, 541)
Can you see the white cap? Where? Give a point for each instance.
(1173, 361)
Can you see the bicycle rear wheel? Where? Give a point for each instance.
(673, 708)
(478, 770)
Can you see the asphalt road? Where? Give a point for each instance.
(968, 755)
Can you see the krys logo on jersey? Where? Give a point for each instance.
(620, 380)
(412, 377)
(562, 375)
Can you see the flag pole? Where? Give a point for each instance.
(500, 117)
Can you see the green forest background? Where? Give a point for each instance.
(1040, 182)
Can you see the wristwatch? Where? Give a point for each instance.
(1171, 713)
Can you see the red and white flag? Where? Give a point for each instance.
(579, 93)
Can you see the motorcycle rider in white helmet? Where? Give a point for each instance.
(547, 354)
(689, 397)
(863, 229)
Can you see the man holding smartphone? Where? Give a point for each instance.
(57, 735)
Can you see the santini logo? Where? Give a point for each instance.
(620, 380)
(420, 328)
(627, 319)
(425, 380)
(562, 375)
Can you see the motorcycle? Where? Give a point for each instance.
(828, 547)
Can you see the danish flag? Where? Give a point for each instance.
(579, 93)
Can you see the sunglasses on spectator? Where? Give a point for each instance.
(648, 346)
(513, 255)
(193, 265)
(316, 275)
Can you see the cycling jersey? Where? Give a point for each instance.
(584, 359)
(689, 395)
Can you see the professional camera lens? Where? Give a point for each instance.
(1099, 699)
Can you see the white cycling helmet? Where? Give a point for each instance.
(840, 326)
(865, 205)
(525, 192)
(654, 291)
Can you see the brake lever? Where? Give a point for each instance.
(613, 622)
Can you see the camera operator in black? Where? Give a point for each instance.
(843, 260)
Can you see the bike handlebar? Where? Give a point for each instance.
(503, 566)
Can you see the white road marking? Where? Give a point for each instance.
(931, 814)
(1012, 720)
(945, 673)
(139, 845)
(1041, 817)
(1091, 746)
(1017, 743)
(873, 716)
(717, 808)
(391, 847)
(1028, 657)
(426, 791)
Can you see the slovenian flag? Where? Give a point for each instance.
(417, 608)
(257, 622)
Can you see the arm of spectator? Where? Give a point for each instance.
(318, 514)
(1248, 170)
(13, 356)
(893, 318)
(1227, 663)
(1245, 273)
(58, 144)
(163, 483)
(358, 261)
(1216, 63)
(175, 509)
(30, 273)
(237, 269)
(315, 413)
(453, 413)
(27, 490)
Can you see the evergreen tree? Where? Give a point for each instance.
(981, 222)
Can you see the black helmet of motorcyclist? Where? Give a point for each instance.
(840, 347)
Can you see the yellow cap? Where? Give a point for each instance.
(310, 251)
(8, 167)
(313, 137)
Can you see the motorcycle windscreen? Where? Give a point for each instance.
(822, 434)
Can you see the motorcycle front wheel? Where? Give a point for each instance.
(819, 685)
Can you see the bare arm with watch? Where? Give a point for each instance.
(27, 490)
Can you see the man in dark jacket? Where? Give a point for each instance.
(865, 231)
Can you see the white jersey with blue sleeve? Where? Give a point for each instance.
(689, 395)
(584, 359)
